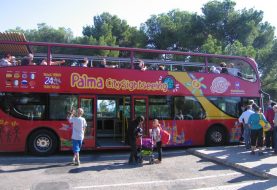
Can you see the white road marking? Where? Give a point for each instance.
(232, 186)
(155, 182)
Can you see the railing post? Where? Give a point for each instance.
(48, 54)
(206, 65)
(132, 59)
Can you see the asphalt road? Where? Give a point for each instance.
(110, 170)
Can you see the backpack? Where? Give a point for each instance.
(165, 136)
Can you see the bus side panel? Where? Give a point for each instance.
(184, 132)
(14, 133)
(193, 132)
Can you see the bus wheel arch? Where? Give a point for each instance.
(216, 135)
(42, 141)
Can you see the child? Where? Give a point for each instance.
(156, 132)
(79, 125)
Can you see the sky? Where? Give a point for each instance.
(75, 14)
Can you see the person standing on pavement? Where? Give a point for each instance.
(256, 130)
(244, 120)
(79, 125)
(156, 132)
(275, 129)
(133, 130)
(269, 115)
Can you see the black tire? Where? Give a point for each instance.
(216, 136)
(43, 143)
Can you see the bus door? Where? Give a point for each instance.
(113, 113)
(88, 104)
(140, 108)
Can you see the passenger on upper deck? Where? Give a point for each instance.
(6, 61)
(28, 60)
(104, 64)
(85, 63)
(232, 70)
(140, 65)
(13, 61)
(223, 68)
(161, 68)
(31, 56)
(44, 61)
(213, 69)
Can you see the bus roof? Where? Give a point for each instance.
(14, 49)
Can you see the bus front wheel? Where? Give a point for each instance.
(43, 142)
(216, 136)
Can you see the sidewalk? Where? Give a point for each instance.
(238, 157)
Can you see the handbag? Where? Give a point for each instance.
(266, 125)
(165, 136)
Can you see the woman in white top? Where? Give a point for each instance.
(156, 132)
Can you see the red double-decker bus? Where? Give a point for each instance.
(197, 105)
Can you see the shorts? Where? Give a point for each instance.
(76, 145)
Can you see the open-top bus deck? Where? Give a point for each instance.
(196, 106)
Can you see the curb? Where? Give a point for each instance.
(233, 165)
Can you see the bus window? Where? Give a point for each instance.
(188, 107)
(60, 105)
(24, 106)
(160, 107)
(246, 101)
(87, 105)
(140, 107)
(229, 105)
(106, 108)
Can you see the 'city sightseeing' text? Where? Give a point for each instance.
(86, 82)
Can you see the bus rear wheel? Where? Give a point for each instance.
(42, 143)
(216, 136)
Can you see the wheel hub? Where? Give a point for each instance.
(217, 137)
(43, 143)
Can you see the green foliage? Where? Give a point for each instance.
(176, 30)
(238, 49)
(46, 33)
(103, 106)
(112, 30)
(212, 45)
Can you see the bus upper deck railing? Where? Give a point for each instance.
(186, 61)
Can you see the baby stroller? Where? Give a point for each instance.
(145, 149)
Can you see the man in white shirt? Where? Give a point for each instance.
(244, 120)
(213, 69)
(232, 70)
(79, 125)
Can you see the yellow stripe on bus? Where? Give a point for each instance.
(212, 112)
